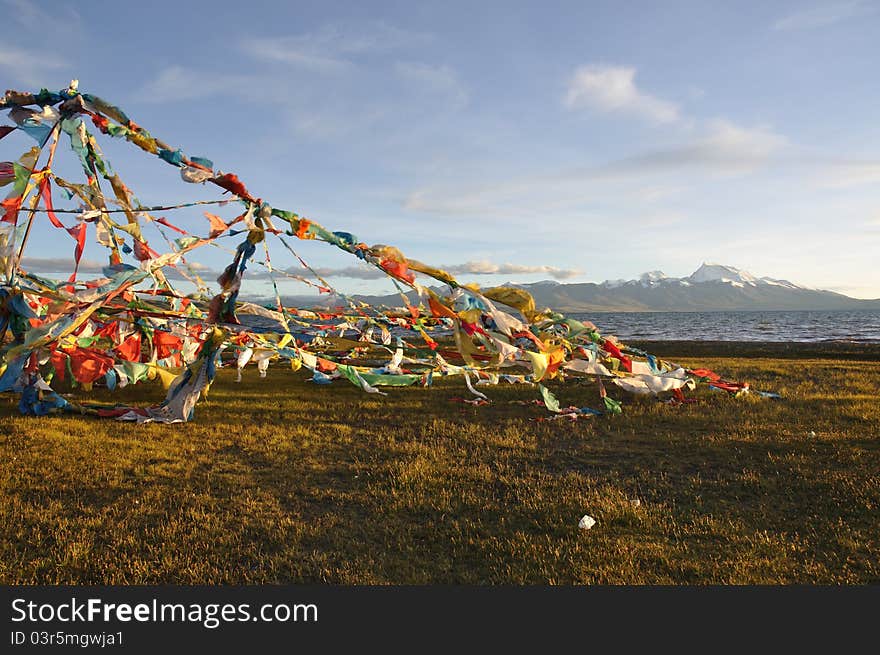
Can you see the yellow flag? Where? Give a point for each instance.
(539, 364)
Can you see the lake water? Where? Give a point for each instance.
(851, 326)
(842, 326)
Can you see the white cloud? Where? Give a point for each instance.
(330, 49)
(29, 67)
(842, 175)
(324, 118)
(322, 126)
(758, 142)
(872, 225)
(325, 51)
(326, 100)
(63, 266)
(44, 265)
(364, 272)
(177, 83)
(441, 81)
(59, 23)
(484, 267)
(39, 43)
(655, 193)
(284, 50)
(645, 179)
(612, 89)
(644, 220)
(724, 148)
(821, 16)
(467, 200)
(737, 147)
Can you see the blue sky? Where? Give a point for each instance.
(508, 141)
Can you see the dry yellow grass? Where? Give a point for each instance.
(279, 481)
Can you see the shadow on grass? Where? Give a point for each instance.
(280, 481)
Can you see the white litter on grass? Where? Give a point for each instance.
(586, 522)
(635, 502)
(812, 434)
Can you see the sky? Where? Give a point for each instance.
(506, 141)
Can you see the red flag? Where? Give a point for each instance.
(614, 351)
(46, 193)
(302, 228)
(230, 182)
(166, 344)
(11, 205)
(438, 309)
(59, 362)
(88, 364)
(108, 331)
(398, 270)
(130, 349)
(217, 225)
(705, 373)
(78, 233)
(173, 227)
(100, 122)
(143, 252)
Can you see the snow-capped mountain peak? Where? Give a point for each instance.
(720, 273)
(611, 284)
(706, 273)
(780, 283)
(712, 287)
(652, 277)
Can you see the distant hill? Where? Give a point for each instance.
(712, 287)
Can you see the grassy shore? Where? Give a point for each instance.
(280, 481)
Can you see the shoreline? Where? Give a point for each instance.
(861, 351)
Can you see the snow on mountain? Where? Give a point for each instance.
(780, 283)
(712, 287)
(721, 273)
(652, 277)
(718, 273)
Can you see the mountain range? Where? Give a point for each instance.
(712, 287)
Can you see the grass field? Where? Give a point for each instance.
(279, 481)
